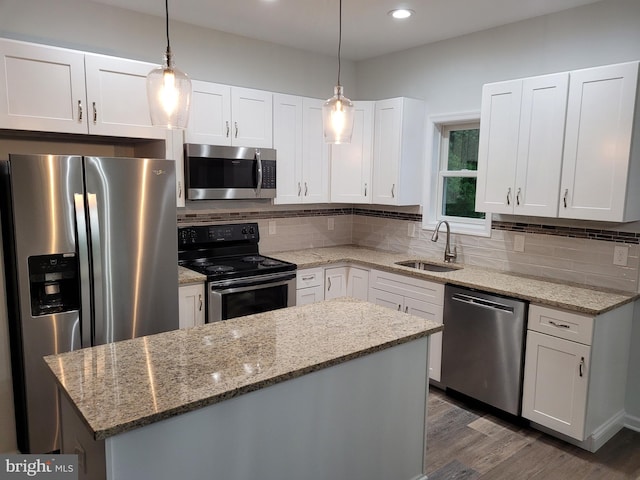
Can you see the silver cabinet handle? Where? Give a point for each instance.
(310, 277)
(365, 189)
(509, 196)
(564, 198)
(518, 196)
(179, 189)
(559, 325)
(582, 366)
(228, 129)
(399, 308)
(95, 113)
(306, 189)
(393, 190)
(79, 110)
(236, 125)
(329, 284)
(406, 309)
(299, 189)
(199, 302)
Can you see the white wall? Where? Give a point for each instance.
(204, 54)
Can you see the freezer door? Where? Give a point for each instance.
(133, 241)
(42, 192)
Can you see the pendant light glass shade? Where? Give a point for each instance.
(337, 118)
(169, 95)
(168, 91)
(338, 111)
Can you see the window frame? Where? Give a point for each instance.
(438, 127)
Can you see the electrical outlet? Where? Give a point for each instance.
(331, 223)
(518, 243)
(272, 227)
(620, 255)
(411, 230)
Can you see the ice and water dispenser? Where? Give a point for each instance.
(54, 283)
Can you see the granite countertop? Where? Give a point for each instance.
(586, 300)
(125, 385)
(187, 276)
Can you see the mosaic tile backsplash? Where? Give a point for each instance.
(581, 256)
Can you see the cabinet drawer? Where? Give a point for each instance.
(424, 290)
(561, 324)
(311, 277)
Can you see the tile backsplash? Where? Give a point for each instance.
(574, 255)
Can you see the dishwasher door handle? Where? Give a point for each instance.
(481, 302)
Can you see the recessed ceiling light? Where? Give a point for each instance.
(401, 13)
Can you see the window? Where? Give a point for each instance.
(453, 177)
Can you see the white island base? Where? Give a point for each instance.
(364, 419)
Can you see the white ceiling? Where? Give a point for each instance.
(367, 30)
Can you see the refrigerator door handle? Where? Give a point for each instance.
(100, 329)
(85, 281)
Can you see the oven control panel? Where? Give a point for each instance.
(202, 234)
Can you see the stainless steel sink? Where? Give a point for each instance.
(427, 266)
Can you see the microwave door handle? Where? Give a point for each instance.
(259, 171)
(83, 260)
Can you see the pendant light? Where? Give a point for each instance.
(168, 91)
(338, 111)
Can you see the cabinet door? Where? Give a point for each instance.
(598, 142)
(498, 146)
(335, 282)
(191, 305)
(287, 140)
(42, 88)
(358, 283)
(209, 114)
(315, 154)
(386, 299)
(556, 374)
(434, 313)
(386, 151)
(117, 97)
(305, 296)
(252, 112)
(540, 143)
(351, 163)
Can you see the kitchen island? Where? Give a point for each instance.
(336, 389)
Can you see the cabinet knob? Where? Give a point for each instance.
(582, 366)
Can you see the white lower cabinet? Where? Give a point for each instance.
(309, 286)
(335, 282)
(191, 305)
(575, 372)
(416, 297)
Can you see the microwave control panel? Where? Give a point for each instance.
(268, 174)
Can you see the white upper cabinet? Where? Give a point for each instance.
(42, 88)
(601, 164)
(117, 102)
(398, 151)
(520, 149)
(56, 90)
(351, 163)
(303, 156)
(225, 115)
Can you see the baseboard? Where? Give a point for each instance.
(632, 423)
(606, 431)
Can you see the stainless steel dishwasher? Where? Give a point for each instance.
(483, 347)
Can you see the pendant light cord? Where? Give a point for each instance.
(166, 9)
(339, 40)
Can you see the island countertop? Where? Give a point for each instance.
(126, 385)
(590, 301)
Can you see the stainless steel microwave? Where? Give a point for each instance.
(215, 172)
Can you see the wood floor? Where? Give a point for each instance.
(466, 443)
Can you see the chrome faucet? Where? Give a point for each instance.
(448, 256)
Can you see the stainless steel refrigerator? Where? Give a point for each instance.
(90, 249)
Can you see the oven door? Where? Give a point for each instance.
(244, 296)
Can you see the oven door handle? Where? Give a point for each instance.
(242, 285)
